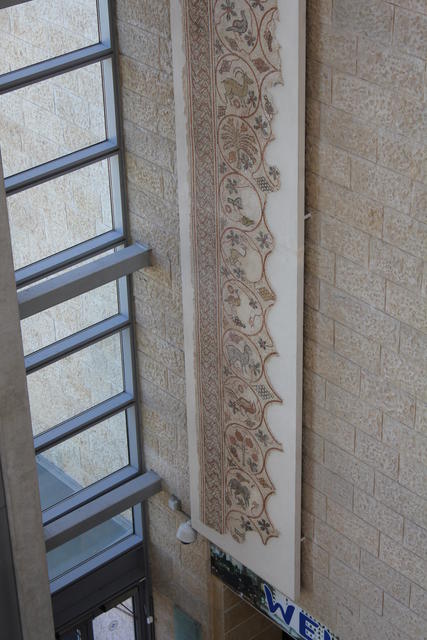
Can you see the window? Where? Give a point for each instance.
(62, 155)
(119, 620)
(89, 544)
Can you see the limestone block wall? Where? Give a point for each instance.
(365, 437)
(237, 620)
(180, 574)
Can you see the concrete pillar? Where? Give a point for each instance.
(23, 556)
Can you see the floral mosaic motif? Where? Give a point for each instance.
(245, 65)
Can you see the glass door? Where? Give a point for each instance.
(119, 620)
(118, 623)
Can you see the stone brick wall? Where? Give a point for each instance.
(242, 622)
(365, 445)
(180, 574)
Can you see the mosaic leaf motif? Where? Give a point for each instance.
(232, 61)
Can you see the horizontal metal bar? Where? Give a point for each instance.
(88, 493)
(71, 344)
(134, 570)
(46, 69)
(101, 509)
(67, 258)
(59, 166)
(4, 4)
(89, 276)
(83, 421)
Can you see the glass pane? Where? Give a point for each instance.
(82, 460)
(75, 383)
(51, 118)
(117, 623)
(89, 544)
(40, 29)
(69, 317)
(60, 213)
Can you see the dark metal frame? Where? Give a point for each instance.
(85, 623)
(128, 487)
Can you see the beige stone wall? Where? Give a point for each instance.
(242, 622)
(365, 437)
(180, 574)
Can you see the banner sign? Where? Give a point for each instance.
(289, 616)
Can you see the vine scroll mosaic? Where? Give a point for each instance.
(232, 61)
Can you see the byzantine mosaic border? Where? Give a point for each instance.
(232, 62)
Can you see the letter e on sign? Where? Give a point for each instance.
(307, 627)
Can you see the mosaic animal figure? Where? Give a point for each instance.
(233, 298)
(239, 26)
(242, 357)
(245, 406)
(233, 88)
(241, 493)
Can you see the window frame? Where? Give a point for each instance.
(130, 485)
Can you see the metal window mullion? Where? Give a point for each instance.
(129, 380)
(79, 280)
(51, 67)
(134, 443)
(101, 509)
(113, 117)
(116, 200)
(128, 344)
(76, 342)
(110, 555)
(133, 415)
(110, 70)
(111, 113)
(67, 258)
(88, 493)
(138, 520)
(60, 166)
(83, 421)
(89, 631)
(105, 26)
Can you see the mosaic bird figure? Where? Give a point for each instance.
(239, 26)
(242, 357)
